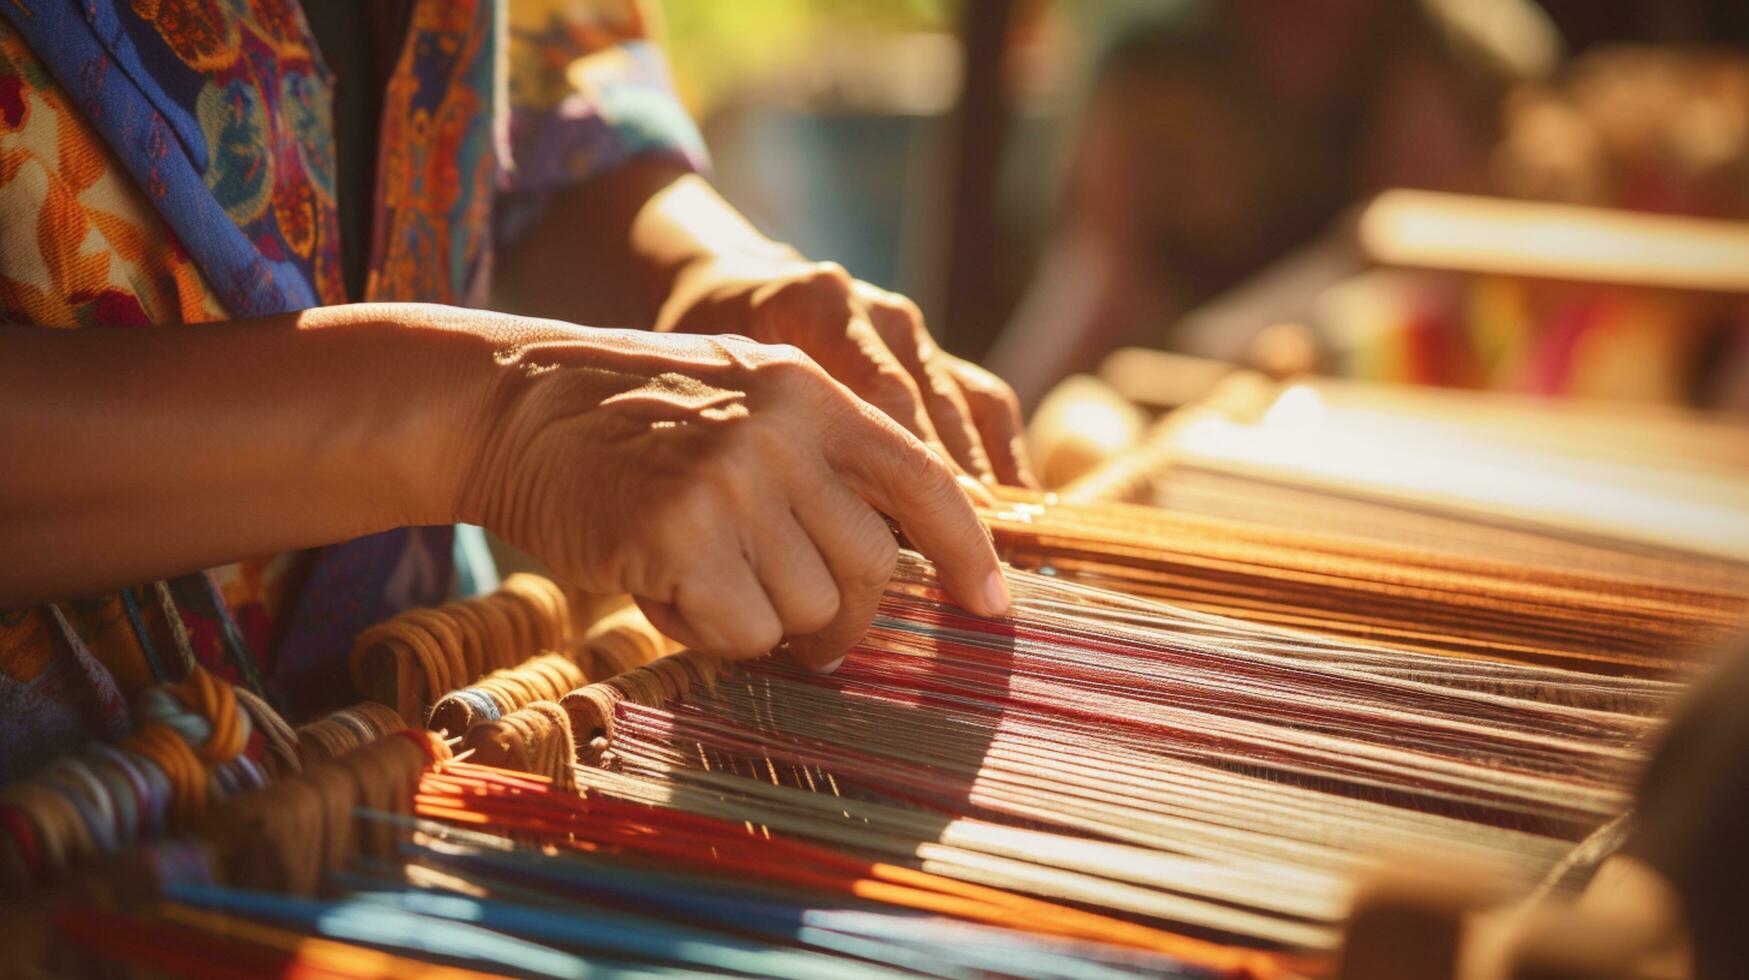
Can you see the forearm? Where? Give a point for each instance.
(134, 454)
(610, 251)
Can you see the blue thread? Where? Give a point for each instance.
(485, 707)
(132, 606)
(123, 796)
(74, 782)
(158, 793)
(237, 646)
(160, 705)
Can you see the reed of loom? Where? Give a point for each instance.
(270, 824)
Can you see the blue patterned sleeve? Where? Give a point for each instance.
(589, 90)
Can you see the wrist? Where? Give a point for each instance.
(712, 292)
(424, 378)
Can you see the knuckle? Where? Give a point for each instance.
(822, 288)
(990, 393)
(923, 469)
(830, 275)
(878, 555)
(749, 637)
(789, 365)
(816, 610)
(904, 307)
(787, 356)
(945, 388)
(895, 383)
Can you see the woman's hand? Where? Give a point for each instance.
(652, 245)
(733, 487)
(873, 341)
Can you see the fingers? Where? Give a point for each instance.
(996, 412)
(901, 478)
(860, 550)
(901, 328)
(801, 589)
(863, 363)
(975, 489)
(719, 608)
(821, 312)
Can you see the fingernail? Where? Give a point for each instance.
(828, 668)
(996, 595)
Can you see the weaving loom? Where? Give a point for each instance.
(1101, 784)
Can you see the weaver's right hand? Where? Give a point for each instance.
(733, 488)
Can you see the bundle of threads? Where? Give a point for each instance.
(1413, 598)
(510, 717)
(543, 678)
(293, 833)
(187, 752)
(345, 730)
(1161, 765)
(535, 738)
(414, 658)
(589, 886)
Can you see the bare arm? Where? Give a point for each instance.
(610, 251)
(652, 246)
(733, 487)
(135, 454)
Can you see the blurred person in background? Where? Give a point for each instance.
(1653, 128)
(1217, 136)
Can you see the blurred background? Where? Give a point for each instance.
(1058, 180)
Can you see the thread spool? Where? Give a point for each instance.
(204, 711)
(188, 785)
(624, 639)
(591, 708)
(419, 655)
(546, 677)
(346, 730)
(535, 738)
(282, 740)
(553, 609)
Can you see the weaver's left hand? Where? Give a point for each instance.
(872, 341)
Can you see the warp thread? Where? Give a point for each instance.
(591, 708)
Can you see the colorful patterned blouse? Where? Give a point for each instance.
(173, 161)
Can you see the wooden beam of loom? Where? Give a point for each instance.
(1425, 229)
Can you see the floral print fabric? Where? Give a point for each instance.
(172, 161)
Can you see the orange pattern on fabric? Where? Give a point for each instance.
(82, 246)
